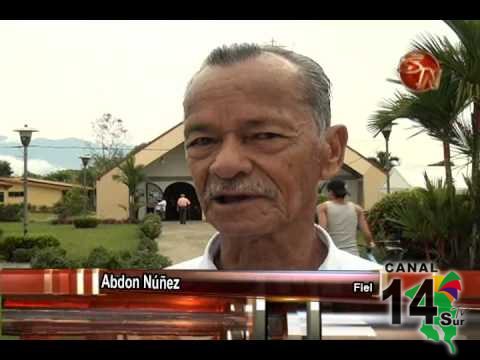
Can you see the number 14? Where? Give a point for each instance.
(429, 311)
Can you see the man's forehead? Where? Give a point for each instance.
(264, 74)
(265, 67)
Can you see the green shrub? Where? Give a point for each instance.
(380, 215)
(12, 243)
(22, 255)
(151, 229)
(2, 256)
(146, 260)
(139, 259)
(7, 247)
(72, 204)
(102, 258)
(437, 224)
(52, 258)
(123, 258)
(86, 222)
(43, 241)
(11, 212)
(44, 209)
(152, 217)
(60, 221)
(148, 244)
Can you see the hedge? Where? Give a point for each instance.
(52, 258)
(151, 229)
(152, 217)
(11, 212)
(70, 221)
(380, 215)
(85, 223)
(148, 244)
(10, 244)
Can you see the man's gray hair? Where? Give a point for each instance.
(315, 82)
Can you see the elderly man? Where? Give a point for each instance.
(258, 140)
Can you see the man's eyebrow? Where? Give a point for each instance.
(196, 128)
(254, 123)
(248, 124)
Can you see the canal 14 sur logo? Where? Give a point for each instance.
(432, 299)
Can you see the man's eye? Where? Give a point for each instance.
(202, 141)
(266, 136)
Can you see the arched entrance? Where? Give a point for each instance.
(153, 194)
(172, 193)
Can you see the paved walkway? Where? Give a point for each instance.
(184, 242)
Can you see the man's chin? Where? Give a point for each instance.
(238, 227)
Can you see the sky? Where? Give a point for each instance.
(59, 76)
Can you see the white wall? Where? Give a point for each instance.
(172, 164)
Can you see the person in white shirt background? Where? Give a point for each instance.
(258, 140)
(161, 208)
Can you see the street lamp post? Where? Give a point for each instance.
(85, 159)
(25, 137)
(386, 131)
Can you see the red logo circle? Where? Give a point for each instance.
(420, 71)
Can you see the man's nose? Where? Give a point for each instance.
(230, 160)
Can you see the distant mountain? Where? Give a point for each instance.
(52, 153)
(60, 153)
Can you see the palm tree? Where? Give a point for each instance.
(383, 161)
(131, 175)
(463, 60)
(435, 112)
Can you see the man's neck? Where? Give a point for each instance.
(339, 200)
(296, 248)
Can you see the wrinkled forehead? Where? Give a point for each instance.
(261, 77)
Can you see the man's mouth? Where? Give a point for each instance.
(234, 199)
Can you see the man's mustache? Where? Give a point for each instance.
(216, 187)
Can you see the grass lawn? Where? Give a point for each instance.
(79, 242)
(41, 217)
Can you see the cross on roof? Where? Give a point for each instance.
(273, 43)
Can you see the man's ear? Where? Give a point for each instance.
(333, 148)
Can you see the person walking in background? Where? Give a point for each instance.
(341, 218)
(182, 207)
(161, 208)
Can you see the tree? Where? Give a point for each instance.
(91, 176)
(434, 112)
(5, 169)
(132, 176)
(73, 176)
(463, 60)
(110, 137)
(382, 161)
(68, 176)
(71, 204)
(33, 175)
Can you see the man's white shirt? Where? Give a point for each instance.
(336, 259)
